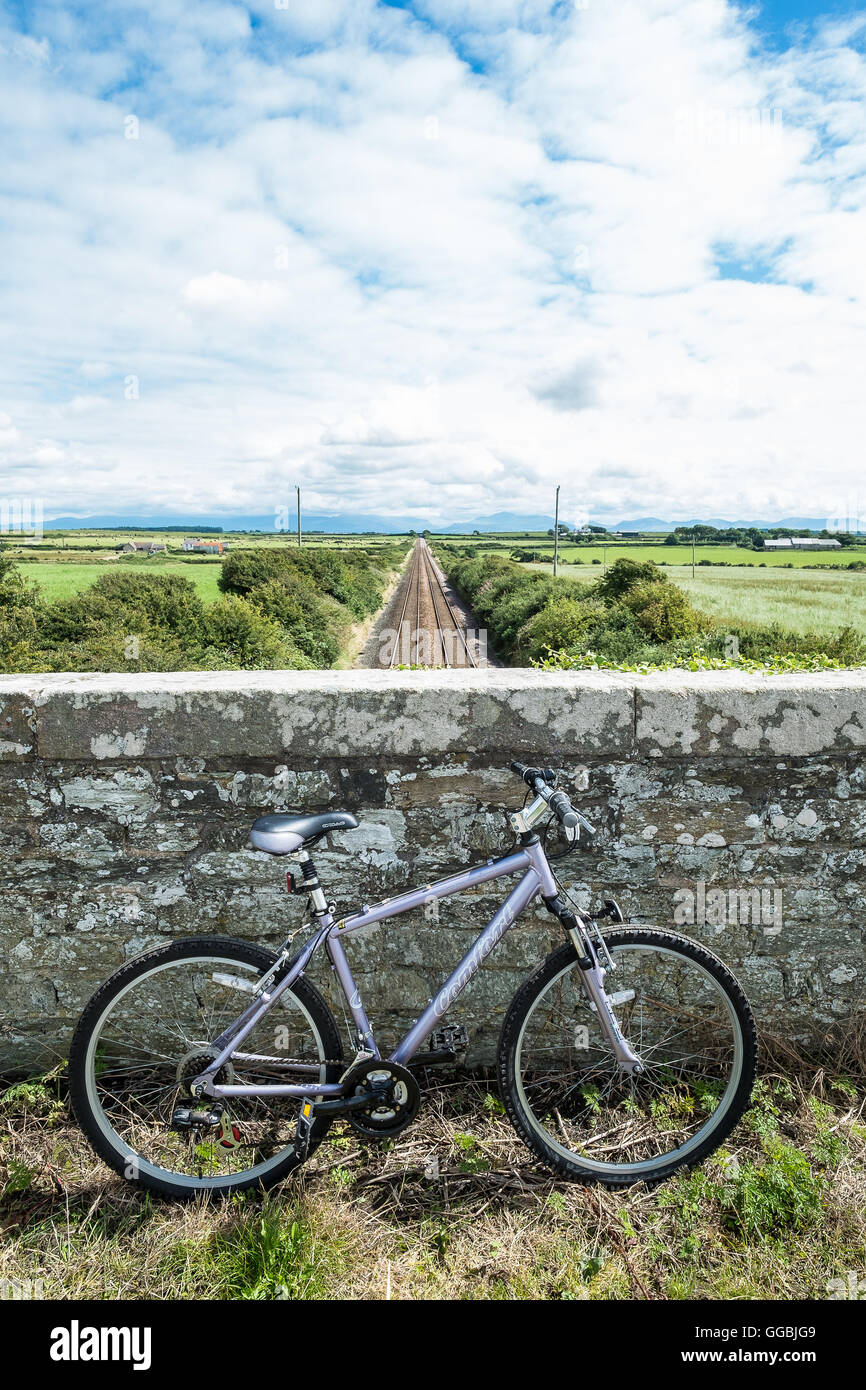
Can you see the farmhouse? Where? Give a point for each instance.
(140, 547)
(803, 543)
(204, 547)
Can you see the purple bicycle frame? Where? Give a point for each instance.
(537, 879)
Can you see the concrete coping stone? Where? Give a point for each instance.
(317, 714)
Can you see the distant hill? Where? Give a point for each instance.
(340, 523)
(501, 521)
(357, 523)
(652, 523)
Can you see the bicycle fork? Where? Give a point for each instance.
(593, 974)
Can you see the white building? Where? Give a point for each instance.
(803, 543)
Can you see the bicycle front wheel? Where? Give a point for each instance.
(685, 1015)
(149, 1030)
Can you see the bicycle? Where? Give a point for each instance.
(216, 1064)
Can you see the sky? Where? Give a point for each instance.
(433, 257)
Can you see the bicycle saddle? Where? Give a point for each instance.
(279, 834)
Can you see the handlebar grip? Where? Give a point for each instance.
(563, 809)
(529, 774)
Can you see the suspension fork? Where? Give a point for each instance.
(592, 974)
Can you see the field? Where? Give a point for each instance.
(105, 542)
(64, 563)
(799, 600)
(57, 579)
(588, 555)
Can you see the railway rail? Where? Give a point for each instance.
(437, 632)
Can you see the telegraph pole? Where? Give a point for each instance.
(298, 491)
(693, 554)
(556, 535)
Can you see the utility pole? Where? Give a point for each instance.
(298, 491)
(693, 555)
(556, 535)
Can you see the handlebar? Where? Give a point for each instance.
(542, 782)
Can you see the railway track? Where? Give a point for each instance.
(436, 632)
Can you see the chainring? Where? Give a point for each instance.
(395, 1097)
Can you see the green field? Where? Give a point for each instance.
(676, 555)
(59, 580)
(105, 542)
(801, 601)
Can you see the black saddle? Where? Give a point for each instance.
(278, 834)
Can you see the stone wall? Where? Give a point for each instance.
(126, 801)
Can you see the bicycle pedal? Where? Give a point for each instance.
(229, 1136)
(451, 1037)
(446, 1044)
(185, 1117)
(304, 1129)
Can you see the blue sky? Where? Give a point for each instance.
(432, 257)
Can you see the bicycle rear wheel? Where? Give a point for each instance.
(685, 1015)
(145, 1035)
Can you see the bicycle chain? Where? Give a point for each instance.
(291, 1061)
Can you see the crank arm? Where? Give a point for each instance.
(341, 1105)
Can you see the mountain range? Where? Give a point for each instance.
(347, 523)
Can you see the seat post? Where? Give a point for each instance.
(310, 883)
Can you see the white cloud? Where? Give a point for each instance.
(433, 261)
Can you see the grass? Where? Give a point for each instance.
(803, 601)
(453, 1209)
(799, 600)
(59, 580)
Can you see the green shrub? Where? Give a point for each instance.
(279, 610)
(779, 1195)
(348, 575)
(662, 610)
(560, 624)
(124, 603)
(239, 635)
(20, 610)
